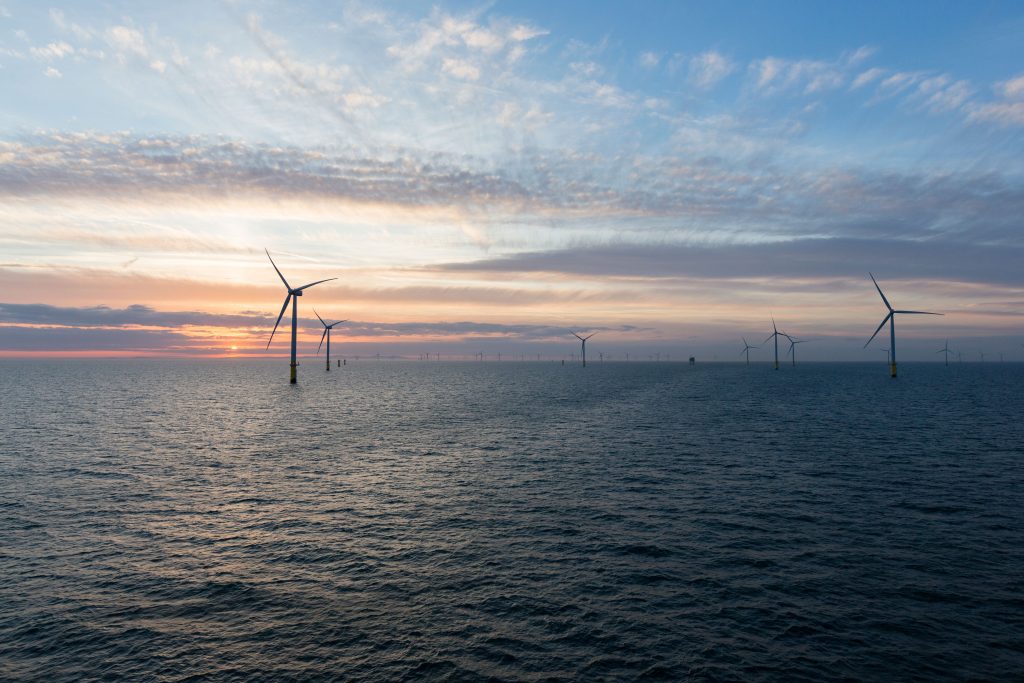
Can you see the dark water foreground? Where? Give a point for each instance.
(515, 521)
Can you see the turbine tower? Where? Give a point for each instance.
(327, 333)
(293, 297)
(945, 350)
(775, 333)
(891, 319)
(792, 346)
(583, 341)
(746, 349)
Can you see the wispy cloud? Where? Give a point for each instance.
(708, 68)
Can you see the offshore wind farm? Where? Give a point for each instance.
(511, 433)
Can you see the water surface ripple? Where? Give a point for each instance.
(172, 521)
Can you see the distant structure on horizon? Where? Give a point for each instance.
(746, 349)
(792, 346)
(327, 333)
(774, 335)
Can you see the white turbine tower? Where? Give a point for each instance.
(293, 297)
(891, 319)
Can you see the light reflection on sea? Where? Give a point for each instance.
(161, 520)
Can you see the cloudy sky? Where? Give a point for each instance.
(482, 176)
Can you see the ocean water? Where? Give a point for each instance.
(175, 520)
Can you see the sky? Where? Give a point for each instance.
(484, 177)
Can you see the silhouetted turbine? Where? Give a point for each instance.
(327, 333)
(746, 349)
(792, 346)
(775, 333)
(891, 319)
(293, 297)
(583, 341)
(945, 350)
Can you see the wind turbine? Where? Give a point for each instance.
(891, 319)
(583, 341)
(945, 350)
(775, 333)
(293, 297)
(327, 333)
(792, 346)
(746, 349)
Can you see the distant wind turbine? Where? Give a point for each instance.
(891, 319)
(886, 355)
(792, 347)
(583, 342)
(293, 297)
(775, 333)
(746, 349)
(327, 333)
(945, 349)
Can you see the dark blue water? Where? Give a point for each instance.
(170, 520)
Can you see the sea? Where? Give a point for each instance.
(176, 520)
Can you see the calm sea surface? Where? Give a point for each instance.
(171, 520)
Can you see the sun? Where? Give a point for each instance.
(234, 348)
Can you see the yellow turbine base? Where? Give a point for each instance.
(892, 370)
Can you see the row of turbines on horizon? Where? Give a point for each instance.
(293, 294)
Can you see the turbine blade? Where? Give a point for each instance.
(576, 335)
(589, 336)
(769, 337)
(880, 326)
(338, 323)
(318, 317)
(278, 271)
(314, 283)
(887, 305)
(322, 340)
(919, 312)
(280, 315)
(745, 341)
